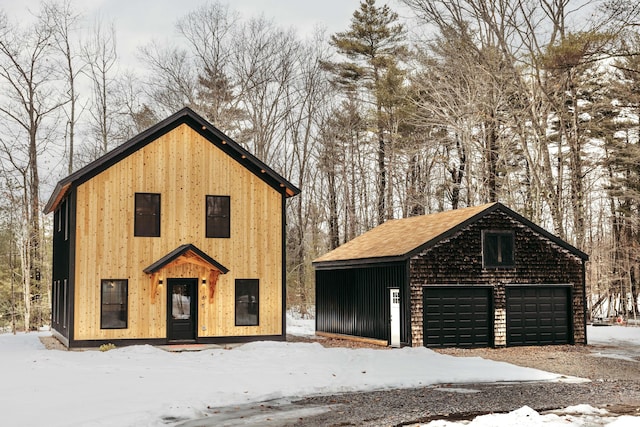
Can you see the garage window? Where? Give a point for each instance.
(497, 249)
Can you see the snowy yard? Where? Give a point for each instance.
(144, 385)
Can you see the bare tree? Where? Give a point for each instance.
(137, 114)
(99, 52)
(311, 94)
(12, 298)
(29, 107)
(264, 67)
(65, 23)
(173, 79)
(619, 127)
(528, 41)
(209, 31)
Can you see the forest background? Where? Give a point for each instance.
(533, 103)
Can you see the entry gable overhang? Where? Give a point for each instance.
(196, 122)
(399, 240)
(186, 254)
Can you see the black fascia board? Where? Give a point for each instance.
(495, 207)
(555, 239)
(450, 232)
(359, 262)
(240, 154)
(204, 128)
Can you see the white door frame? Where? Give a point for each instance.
(394, 316)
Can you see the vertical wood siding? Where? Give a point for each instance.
(183, 167)
(355, 301)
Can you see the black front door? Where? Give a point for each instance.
(181, 309)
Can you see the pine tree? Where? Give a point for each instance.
(373, 45)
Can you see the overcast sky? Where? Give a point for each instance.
(139, 21)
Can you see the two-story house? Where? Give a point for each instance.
(178, 235)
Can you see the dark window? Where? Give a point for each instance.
(218, 216)
(147, 220)
(61, 219)
(247, 302)
(497, 249)
(65, 219)
(65, 293)
(113, 312)
(57, 219)
(56, 308)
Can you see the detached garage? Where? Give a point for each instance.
(476, 277)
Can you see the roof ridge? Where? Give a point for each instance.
(183, 116)
(394, 238)
(397, 240)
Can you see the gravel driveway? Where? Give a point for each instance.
(615, 386)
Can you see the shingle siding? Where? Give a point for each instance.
(445, 249)
(458, 260)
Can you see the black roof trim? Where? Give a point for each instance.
(198, 123)
(555, 239)
(179, 251)
(450, 232)
(453, 230)
(359, 262)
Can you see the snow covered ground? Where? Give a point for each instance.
(580, 415)
(147, 386)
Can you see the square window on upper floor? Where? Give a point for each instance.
(498, 249)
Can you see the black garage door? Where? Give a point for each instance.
(457, 316)
(538, 315)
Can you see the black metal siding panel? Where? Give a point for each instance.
(457, 316)
(538, 315)
(61, 266)
(355, 301)
(73, 203)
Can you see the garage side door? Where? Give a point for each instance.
(457, 316)
(538, 315)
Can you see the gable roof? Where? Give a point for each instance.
(200, 125)
(398, 240)
(192, 255)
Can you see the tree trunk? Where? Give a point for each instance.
(334, 232)
(577, 191)
(34, 237)
(382, 172)
(491, 156)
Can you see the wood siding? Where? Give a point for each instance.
(458, 261)
(184, 168)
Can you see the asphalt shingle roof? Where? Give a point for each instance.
(400, 236)
(397, 239)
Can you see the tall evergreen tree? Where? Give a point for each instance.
(373, 46)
